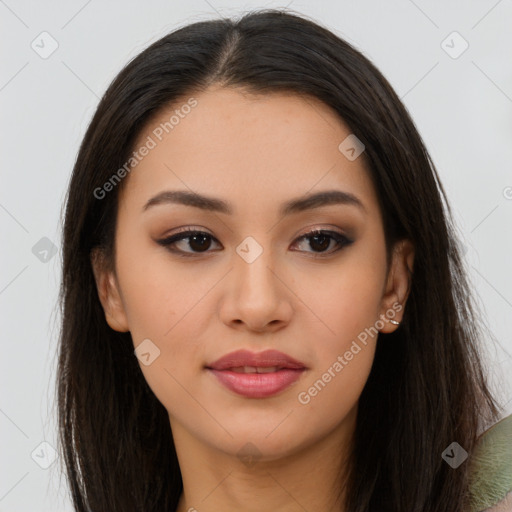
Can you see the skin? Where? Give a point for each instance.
(254, 152)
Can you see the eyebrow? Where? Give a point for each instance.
(309, 202)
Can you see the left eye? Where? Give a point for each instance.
(200, 241)
(322, 239)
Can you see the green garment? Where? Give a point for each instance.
(491, 467)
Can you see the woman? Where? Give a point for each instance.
(264, 303)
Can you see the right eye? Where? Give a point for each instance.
(198, 241)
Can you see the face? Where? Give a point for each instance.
(309, 281)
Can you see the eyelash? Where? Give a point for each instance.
(168, 242)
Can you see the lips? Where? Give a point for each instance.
(256, 375)
(244, 359)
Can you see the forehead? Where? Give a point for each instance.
(227, 142)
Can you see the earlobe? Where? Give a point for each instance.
(108, 293)
(397, 286)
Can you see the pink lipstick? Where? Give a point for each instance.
(256, 375)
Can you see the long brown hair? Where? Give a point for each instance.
(427, 387)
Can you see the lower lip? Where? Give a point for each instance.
(257, 385)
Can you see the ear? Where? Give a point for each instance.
(397, 285)
(108, 292)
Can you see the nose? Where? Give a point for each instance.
(257, 297)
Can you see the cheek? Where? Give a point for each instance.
(348, 306)
(157, 293)
(344, 353)
(347, 300)
(332, 392)
(165, 305)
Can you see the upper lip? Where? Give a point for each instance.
(265, 359)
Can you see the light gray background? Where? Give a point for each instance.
(462, 107)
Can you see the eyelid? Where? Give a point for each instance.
(186, 229)
(308, 231)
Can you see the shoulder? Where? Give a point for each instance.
(491, 469)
